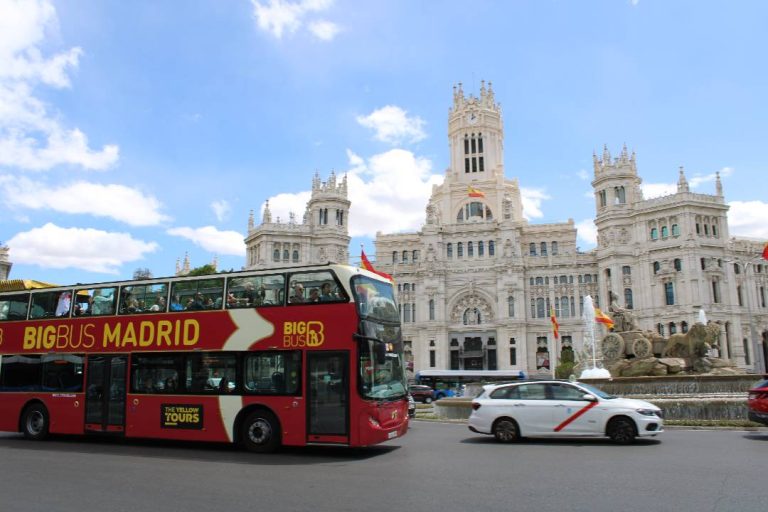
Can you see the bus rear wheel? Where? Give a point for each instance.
(260, 432)
(35, 423)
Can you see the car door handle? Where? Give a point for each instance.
(518, 405)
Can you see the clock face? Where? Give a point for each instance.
(472, 118)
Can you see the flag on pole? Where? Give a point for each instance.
(555, 325)
(366, 264)
(765, 251)
(473, 192)
(603, 318)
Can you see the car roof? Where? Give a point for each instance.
(497, 385)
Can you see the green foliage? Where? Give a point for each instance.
(564, 369)
(202, 271)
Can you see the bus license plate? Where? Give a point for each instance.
(392, 434)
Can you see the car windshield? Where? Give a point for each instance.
(596, 391)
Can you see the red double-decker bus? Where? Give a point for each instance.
(306, 355)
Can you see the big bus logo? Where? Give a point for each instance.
(303, 334)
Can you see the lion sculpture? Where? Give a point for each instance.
(696, 342)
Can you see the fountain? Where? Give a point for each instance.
(590, 345)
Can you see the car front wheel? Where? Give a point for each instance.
(428, 400)
(506, 430)
(621, 431)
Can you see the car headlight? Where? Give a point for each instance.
(647, 412)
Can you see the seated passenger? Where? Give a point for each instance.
(298, 294)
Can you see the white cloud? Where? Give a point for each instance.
(697, 180)
(227, 243)
(587, 232)
(392, 125)
(532, 199)
(31, 137)
(582, 174)
(651, 190)
(89, 249)
(747, 218)
(221, 209)
(390, 192)
(324, 30)
(281, 16)
(117, 202)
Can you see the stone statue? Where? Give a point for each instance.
(623, 319)
(697, 342)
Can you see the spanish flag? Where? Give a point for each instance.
(366, 264)
(473, 192)
(603, 319)
(555, 325)
(765, 251)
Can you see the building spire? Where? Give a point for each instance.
(266, 217)
(682, 183)
(718, 185)
(250, 221)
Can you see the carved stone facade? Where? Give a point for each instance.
(5, 263)
(321, 237)
(477, 282)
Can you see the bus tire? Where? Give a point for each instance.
(260, 432)
(35, 422)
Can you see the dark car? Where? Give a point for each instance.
(758, 402)
(421, 393)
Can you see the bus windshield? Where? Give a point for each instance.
(381, 364)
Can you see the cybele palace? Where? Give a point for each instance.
(477, 281)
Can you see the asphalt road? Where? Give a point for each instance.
(437, 466)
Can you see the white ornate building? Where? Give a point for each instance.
(322, 236)
(476, 282)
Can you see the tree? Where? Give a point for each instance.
(203, 271)
(142, 273)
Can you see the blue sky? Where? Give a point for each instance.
(133, 133)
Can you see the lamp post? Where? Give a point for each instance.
(757, 354)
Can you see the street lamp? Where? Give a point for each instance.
(757, 354)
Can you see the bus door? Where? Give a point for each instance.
(105, 393)
(328, 397)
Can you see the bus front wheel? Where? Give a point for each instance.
(261, 432)
(34, 423)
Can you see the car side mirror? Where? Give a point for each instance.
(590, 398)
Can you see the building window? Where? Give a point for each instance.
(672, 328)
(656, 267)
(678, 264)
(276, 255)
(706, 229)
(432, 363)
(540, 309)
(431, 309)
(470, 249)
(543, 248)
(415, 256)
(491, 248)
(480, 248)
(675, 230)
(286, 255)
(532, 249)
(684, 327)
(715, 291)
(736, 268)
(295, 256)
(626, 270)
(449, 250)
(405, 256)
(714, 231)
(660, 329)
(738, 296)
(664, 232)
(459, 250)
(747, 360)
(564, 307)
(394, 257)
(669, 293)
(511, 306)
(628, 298)
(554, 248)
(602, 196)
(654, 234)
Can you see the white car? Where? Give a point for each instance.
(561, 409)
